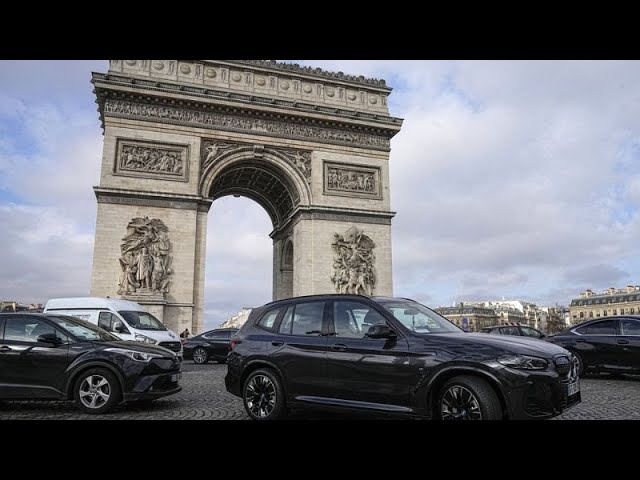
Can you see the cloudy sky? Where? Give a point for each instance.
(515, 179)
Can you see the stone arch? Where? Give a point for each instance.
(266, 177)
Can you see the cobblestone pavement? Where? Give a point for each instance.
(204, 397)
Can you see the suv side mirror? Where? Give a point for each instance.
(51, 338)
(380, 331)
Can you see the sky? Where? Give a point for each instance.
(514, 179)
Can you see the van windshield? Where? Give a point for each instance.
(142, 320)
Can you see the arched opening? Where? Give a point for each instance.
(238, 235)
(286, 269)
(239, 259)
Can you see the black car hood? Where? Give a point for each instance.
(136, 347)
(510, 344)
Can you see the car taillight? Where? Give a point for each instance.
(233, 344)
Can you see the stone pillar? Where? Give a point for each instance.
(197, 324)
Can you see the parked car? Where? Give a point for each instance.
(214, 344)
(391, 355)
(610, 344)
(47, 356)
(513, 329)
(126, 320)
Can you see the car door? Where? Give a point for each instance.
(217, 343)
(298, 346)
(364, 369)
(31, 368)
(597, 343)
(629, 342)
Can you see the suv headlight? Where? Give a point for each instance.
(523, 362)
(145, 339)
(134, 355)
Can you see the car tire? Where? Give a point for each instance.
(468, 398)
(97, 391)
(263, 395)
(200, 356)
(581, 365)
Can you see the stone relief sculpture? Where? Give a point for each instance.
(145, 260)
(353, 269)
(351, 180)
(301, 161)
(142, 157)
(224, 121)
(214, 149)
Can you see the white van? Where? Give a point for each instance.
(127, 320)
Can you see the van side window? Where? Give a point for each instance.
(106, 321)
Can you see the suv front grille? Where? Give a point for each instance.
(173, 346)
(563, 365)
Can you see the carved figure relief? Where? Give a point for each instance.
(353, 269)
(214, 149)
(151, 159)
(351, 180)
(224, 121)
(145, 259)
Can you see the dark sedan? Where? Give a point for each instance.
(57, 357)
(515, 329)
(610, 344)
(211, 345)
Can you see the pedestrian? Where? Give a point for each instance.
(185, 335)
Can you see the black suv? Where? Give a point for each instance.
(45, 356)
(391, 355)
(214, 344)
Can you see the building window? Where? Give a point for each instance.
(632, 310)
(615, 311)
(591, 314)
(581, 314)
(604, 313)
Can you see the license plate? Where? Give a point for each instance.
(573, 388)
(176, 376)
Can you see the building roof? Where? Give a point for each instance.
(604, 299)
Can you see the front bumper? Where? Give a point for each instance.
(154, 386)
(539, 395)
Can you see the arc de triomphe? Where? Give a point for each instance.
(310, 146)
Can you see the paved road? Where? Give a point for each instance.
(204, 397)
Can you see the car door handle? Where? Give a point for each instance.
(5, 348)
(338, 347)
(623, 342)
(580, 340)
(277, 343)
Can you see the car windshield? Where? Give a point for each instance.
(82, 330)
(142, 320)
(418, 318)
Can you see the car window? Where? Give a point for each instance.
(285, 324)
(26, 329)
(268, 320)
(509, 331)
(105, 320)
(530, 332)
(630, 327)
(606, 327)
(307, 318)
(353, 319)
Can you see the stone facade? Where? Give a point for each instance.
(477, 317)
(612, 302)
(311, 147)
